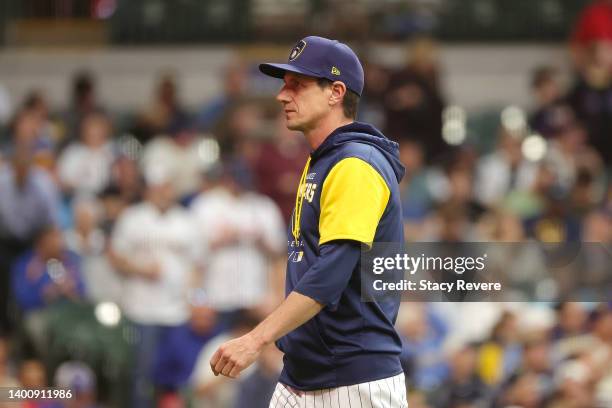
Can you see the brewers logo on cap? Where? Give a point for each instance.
(324, 58)
(297, 50)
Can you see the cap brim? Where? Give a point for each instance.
(278, 70)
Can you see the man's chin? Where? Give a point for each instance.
(293, 126)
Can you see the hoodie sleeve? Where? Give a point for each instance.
(326, 279)
(353, 199)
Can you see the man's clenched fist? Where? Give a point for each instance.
(235, 355)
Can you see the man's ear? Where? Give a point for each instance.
(338, 91)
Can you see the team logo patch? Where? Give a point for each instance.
(297, 50)
(335, 71)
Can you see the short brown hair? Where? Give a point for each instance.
(350, 102)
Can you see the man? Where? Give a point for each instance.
(154, 246)
(47, 273)
(338, 349)
(244, 234)
(29, 201)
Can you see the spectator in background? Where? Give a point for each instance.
(29, 201)
(522, 391)
(568, 154)
(32, 375)
(463, 387)
(29, 130)
(449, 224)
(571, 325)
(416, 195)
(537, 366)
(112, 205)
(597, 227)
(502, 226)
(592, 91)
(48, 133)
(84, 166)
(25, 131)
(154, 246)
(531, 202)
(277, 167)
(550, 108)
(555, 223)
(243, 232)
(459, 192)
(586, 193)
(423, 333)
(165, 112)
(7, 378)
(84, 102)
(180, 153)
(85, 238)
(179, 346)
(234, 89)
(500, 355)
(80, 380)
(584, 375)
(48, 273)
(503, 170)
(413, 101)
(241, 122)
(593, 27)
(573, 387)
(126, 180)
(371, 104)
(89, 241)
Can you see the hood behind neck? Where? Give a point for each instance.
(360, 132)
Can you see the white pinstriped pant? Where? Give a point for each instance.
(386, 393)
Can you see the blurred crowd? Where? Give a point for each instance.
(173, 222)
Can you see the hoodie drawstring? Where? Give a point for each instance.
(299, 199)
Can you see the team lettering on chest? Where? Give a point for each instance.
(310, 187)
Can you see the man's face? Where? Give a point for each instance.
(304, 101)
(162, 195)
(52, 244)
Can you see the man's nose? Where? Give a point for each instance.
(282, 96)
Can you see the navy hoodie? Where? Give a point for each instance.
(350, 341)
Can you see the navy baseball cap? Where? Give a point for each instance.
(321, 58)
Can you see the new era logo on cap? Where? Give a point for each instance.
(321, 58)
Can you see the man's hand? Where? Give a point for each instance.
(235, 355)
(151, 272)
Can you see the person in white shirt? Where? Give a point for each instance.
(243, 232)
(84, 167)
(503, 170)
(87, 239)
(154, 246)
(182, 152)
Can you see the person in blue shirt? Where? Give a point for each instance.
(48, 273)
(179, 347)
(423, 334)
(336, 346)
